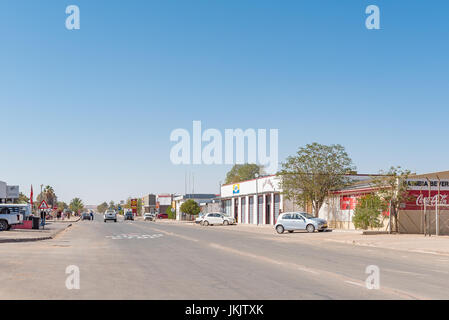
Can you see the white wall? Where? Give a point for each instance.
(2, 190)
(264, 184)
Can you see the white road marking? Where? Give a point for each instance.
(404, 272)
(134, 236)
(355, 283)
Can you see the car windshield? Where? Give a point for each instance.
(307, 215)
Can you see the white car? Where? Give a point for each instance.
(216, 218)
(199, 220)
(110, 215)
(10, 214)
(149, 216)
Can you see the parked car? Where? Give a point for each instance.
(110, 215)
(162, 216)
(86, 216)
(149, 216)
(128, 216)
(199, 220)
(291, 221)
(215, 218)
(10, 214)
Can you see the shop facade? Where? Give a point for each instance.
(257, 201)
(200, 198)
(426, 209)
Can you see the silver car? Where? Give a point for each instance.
(110, 215)
(291, 221)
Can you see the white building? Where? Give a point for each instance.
(200, 198)
(256, 201)
(8, 193)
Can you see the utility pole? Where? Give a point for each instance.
(430, 202)
(437, 209)
(389, 218)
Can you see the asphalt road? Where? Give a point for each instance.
(147, 260)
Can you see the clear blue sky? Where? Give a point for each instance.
(90, 111)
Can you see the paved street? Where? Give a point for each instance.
(147, 260)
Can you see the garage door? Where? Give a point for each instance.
(260, 210)
(243, 208)
(251, 209)
(277, 206)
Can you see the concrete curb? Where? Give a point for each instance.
(62, 221)
(36, 238)
(370, 233)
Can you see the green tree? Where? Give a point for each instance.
(112, 205)
(76, 205)
(316, 169)
(393, 189)
(62, 206)
(242, 172)
(139, 206)
(23, 199)
(171, 215)
(48, 194)
(368, 212)
(190, 207)
(102, 207)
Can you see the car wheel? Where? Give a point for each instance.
(280, 229)
(206, 223)
(310, 228)
(115, 220)
(105, 221)
(226, 222)
(3, 225)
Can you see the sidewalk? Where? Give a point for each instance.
(21, 235)
(401, 242)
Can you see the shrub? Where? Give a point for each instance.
(368, 212)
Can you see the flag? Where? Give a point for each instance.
(31, 196)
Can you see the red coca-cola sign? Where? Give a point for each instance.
(423, 191)
(418, 198)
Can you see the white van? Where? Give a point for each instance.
(11, 214)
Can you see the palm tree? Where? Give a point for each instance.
(76, 205)
(48, 194)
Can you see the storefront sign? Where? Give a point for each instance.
(419, 193)
(348, 202)
(134, 205)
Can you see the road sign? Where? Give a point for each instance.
(43, 205)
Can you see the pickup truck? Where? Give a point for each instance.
(10, 214)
